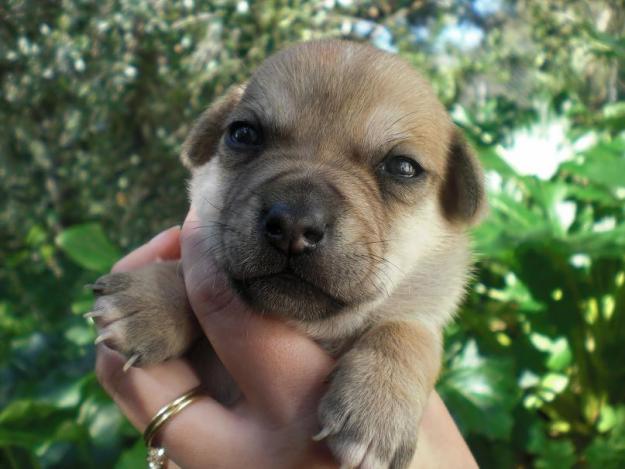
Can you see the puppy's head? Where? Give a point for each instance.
(327, 178)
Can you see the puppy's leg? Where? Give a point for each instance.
(372, 410)
(145, 313)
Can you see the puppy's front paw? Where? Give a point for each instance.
(368, 421)
(144, 314)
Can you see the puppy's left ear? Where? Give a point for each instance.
(462, 192)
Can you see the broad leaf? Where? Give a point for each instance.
(481, 393)
(88, 246)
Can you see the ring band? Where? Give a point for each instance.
(168, 411)
(156, 456)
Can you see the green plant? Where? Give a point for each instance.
(96, 97)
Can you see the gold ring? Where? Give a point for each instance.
(157, 458)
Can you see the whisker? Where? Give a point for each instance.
(386, 261)
(375, 269)
(220, 224)
(212, 204)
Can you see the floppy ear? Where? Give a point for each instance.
(462, 193)
(201, 143)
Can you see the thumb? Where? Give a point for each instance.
(279, 370)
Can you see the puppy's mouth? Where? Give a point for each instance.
(273, 291)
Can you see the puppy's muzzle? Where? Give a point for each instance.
(298, 217)
(290, 250)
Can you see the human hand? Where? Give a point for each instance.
(280, 372)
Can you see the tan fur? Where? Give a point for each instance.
(395, 263)
(364, 380)
(156, 296)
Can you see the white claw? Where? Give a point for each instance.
(92, 314)
(103, 337)
(131, 361)
(322, 434)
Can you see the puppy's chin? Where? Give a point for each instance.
(286, 295)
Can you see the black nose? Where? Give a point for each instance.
(294, 230)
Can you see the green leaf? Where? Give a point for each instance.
(24, 410)
(608, 452)
(482, 393)
(88, 246)
(81, 335)
(133, 457)
(603, 165)
(10, 437)
(608, 172)
(551, 454)
(604, 244)
(30, 423)
(492, 161)
(560, 355)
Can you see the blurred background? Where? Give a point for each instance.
(96, 97)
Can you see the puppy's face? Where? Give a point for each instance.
(325, 180)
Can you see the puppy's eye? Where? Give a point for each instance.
(402, 167)
(243, 134)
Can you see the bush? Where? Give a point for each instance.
(97, 97)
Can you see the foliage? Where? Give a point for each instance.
(95, 98)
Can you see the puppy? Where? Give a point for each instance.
(335, 192)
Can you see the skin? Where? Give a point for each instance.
(281, 373)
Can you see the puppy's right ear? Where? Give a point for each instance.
(462, 194)
(201, 143)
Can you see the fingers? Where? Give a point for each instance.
(440, 440)
(204, 431)
(279, 370)
(165, 245)
(141, 392)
